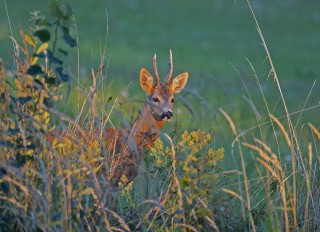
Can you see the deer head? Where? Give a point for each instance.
(161, 95)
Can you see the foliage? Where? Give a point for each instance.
(192, 199)
(56, 180)
(28, 98)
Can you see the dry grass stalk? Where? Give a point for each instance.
(274, 158)
(212, 224)
(293, 199)
(314, 130)
(119, 219)
(174, 175)
(308, 179)
(185, 227)
(248, 204)
(236, 195)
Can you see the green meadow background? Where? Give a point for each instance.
(216, 41)
(269, 173)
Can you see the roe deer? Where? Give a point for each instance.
(127, 145)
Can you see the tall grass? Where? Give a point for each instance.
(298, 208)
(54, 177)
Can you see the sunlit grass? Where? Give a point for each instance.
(242, 153)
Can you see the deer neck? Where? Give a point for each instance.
(146, 128)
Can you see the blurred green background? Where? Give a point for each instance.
(211, 39)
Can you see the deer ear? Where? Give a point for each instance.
(179, 82)
(146, 81)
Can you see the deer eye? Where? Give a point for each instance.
(172, 100)
(155, 99)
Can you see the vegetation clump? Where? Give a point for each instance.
(54, 169)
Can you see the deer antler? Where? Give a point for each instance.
(171, 68)
(154, 61)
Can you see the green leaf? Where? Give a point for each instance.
(14, 131)
(64, 52)
(20, 159)
(6, 144)
(24, 100)
(68, 11)
(34, 70)
(2, 97)
(44, 22)
(48, 102)
(38, 83)
(53, 59)
(55, 10)
(51, 80)
(4, 187)
(43, 35)
(67, 37)
(64, 77)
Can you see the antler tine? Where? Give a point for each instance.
(171, 68)
(154, 61)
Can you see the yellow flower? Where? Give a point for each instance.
(215, 156)
(158, 145)
(123, 181)
(191, 143)
(184, 136)
(191, 157)
(195, 134)
(210, 151)
(157, 148)
(195, 149)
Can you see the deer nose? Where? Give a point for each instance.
(167, 115)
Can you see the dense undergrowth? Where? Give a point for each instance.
(58, 181)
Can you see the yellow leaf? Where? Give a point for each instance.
(29, 40)
(43, 47)
(34, 60)
(30, 152)
(12, 125)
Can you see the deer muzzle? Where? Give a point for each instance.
(166, 116)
